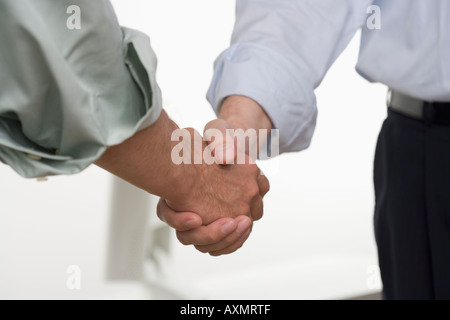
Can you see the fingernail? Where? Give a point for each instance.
(229, 154)
(242, 226)
(244, 236)
(191, 223)
(224, 154)
(220, 153)
(228, 227)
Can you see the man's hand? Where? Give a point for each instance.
(210, 192)
(218, 191)
(224, 235)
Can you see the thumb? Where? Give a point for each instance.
(220, 140)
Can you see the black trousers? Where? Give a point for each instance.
(412, 212)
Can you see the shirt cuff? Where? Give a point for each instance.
(275, 82)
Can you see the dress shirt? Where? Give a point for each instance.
(281, 50)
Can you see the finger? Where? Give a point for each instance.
(232, 248)
(180, 221)
(211, 234)
(263, 183)
(220, 141)
(244, 226)
(206, 235)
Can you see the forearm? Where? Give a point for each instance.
(144, 160)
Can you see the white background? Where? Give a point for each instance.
(316, 238)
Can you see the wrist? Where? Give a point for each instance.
(145, 160)
(191, 181)
(178, 179)
(244, 113)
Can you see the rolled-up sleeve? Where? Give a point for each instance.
(280, 52)
(67, 94)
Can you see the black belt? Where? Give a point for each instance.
(428, 111)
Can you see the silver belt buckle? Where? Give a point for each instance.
(405, 104)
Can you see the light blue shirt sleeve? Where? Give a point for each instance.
(280, 52)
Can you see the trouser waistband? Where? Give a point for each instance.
(428, 111)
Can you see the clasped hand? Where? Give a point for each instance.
(223, 201)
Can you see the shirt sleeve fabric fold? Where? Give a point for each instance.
(67, 94)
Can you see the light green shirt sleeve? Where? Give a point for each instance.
(66, 94)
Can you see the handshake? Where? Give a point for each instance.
(211, 203)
